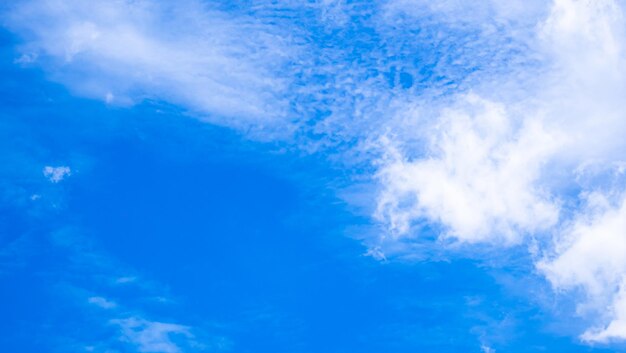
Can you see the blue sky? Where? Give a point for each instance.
(312, 176)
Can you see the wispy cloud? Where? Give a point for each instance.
(102, 302)
(187, 53)
(496, 123)
(112, 313)
(152, 336)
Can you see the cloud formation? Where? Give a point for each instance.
(152, 336)
(56, 174)
(543, 159)
(92, 279)
(479, 178)
(591, 253)
(495, 123)
(188, 53)
(102, 302)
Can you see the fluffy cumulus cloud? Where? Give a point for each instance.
(479, 177)
(492, 122)
(591, 252)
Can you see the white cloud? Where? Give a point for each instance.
(102, 302)
(152, 336)
(186, 53)
(540, 157)
(519, 121)
(26, 58)
(591, 254)
(587, 40)
(467, 11)
(487, 349)
(478, 178)
(56, 174)
(126, 280)
(616, 329)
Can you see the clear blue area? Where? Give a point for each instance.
(248, 246)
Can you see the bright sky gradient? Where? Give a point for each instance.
(313, 176)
